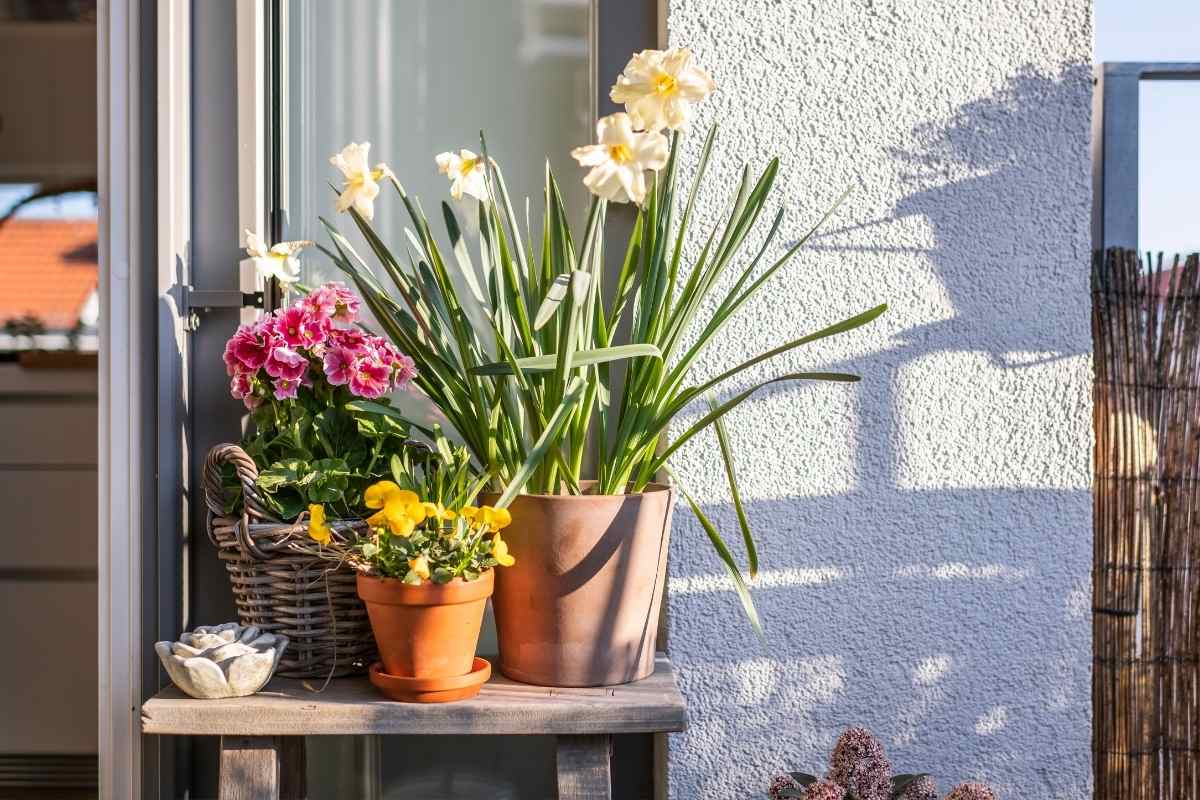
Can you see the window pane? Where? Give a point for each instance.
(48, 223)
(419, 78)
(416, 79)
(1168, 167)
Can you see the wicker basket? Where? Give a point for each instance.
(314, 602)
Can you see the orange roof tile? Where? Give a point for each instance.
(48, 268)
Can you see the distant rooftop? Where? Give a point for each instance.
(48, 269)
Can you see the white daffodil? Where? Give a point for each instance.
(659, 88)
(619, 162)
(279, 261)
(466, 173)
(362, 181)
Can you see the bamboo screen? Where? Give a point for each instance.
(1145, 698)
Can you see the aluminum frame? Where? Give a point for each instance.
(1116, 106)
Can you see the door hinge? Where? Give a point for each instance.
(200, 301)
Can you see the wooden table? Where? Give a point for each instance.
(262, 736)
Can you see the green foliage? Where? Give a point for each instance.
(451, 543)
(318, 448)
(520, 364)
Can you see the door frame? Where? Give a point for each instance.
(144, 162)
(146, 144)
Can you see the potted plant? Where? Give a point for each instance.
(425, 571)
(860, 770)
(296, 371)
(515, 347)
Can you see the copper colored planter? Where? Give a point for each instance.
(426, 631)
(580, 607)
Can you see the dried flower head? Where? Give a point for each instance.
(825, 790)
(923, 788)
(779, 783)
(971, 791)
(859, 764)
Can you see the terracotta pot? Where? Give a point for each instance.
(426, 631)
(580, 606)
(432, 690)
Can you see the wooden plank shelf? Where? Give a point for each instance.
(262, 742)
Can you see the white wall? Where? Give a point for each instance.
(926, 533)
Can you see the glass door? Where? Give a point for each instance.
(415, 79)
(419, 78)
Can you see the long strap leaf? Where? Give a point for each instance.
(731, 478)
(739, 584)
(580, 358)
(548, 438)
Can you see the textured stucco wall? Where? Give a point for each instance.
(926, 533)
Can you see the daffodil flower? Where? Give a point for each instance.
(500, 552)
(318, 531)
(278, 261)
(419, 565)
(361, 185)
(466, 173)
(492, 519)
(619, 162)
(659, 88)
(438, 511)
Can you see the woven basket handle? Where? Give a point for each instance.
(219, 503)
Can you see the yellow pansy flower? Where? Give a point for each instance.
(500, 552)
(438, 511)
(491, 518)
(400, 514)
(419, 565)
(318, 531)
(377, 493)
(399, 509)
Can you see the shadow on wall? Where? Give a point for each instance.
(943, 600)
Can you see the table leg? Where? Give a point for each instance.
(584, 767)
(262, 768)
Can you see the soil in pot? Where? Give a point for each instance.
(581, 605)
(428, 631)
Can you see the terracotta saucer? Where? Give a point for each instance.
(432, 690)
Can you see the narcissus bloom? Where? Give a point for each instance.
(277, 261)
(500, 552)
(659, 88)
(318, 531)
(493, 519)
(361, 186)
(620, 160)
(466, 173)
(419, 565)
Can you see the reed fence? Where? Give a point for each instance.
(1146, 580)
